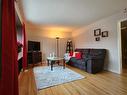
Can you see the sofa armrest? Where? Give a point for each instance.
(95, 65)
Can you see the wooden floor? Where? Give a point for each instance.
(104, 83)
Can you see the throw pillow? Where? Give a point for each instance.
(71, 53)
(78, 55)
(74, 53)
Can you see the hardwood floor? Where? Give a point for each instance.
(104, 83)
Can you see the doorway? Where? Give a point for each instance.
(124, 45)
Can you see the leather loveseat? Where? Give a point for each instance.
(92, 60)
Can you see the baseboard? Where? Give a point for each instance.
(113, 71)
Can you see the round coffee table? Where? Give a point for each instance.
(55, 59)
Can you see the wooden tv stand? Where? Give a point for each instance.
(34, 57)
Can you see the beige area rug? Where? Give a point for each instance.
(44, 77)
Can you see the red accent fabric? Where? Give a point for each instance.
(24, 64)
(9, 80)
(78, 55)
(71, 53)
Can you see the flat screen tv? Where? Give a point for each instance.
(33, 46)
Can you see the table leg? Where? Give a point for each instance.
(33, 64)
(58, 62)
(64, 64)
(52, 62)
(48, 62)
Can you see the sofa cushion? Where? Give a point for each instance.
(73, 60)
(84, 52)
(97, 53)
(81, 64)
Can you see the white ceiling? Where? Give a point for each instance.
(73, 13)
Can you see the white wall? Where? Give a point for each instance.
(84, 38)
(48, 43)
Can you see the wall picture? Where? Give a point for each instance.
(97, 39)
(97, 32)
(105, 34)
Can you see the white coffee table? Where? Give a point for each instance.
(55, 59)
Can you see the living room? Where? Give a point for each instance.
(97, 32)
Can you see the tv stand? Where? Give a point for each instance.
(34, 57)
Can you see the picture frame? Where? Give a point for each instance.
(97, 39)
(105, 34)
(97, 32)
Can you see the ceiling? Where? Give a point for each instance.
(70, 13)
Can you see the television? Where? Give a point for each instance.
(33, 46)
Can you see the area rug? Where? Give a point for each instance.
(44, 77)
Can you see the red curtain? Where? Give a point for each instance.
(24, 63)
(9, 80)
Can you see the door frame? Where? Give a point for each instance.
(120, 45)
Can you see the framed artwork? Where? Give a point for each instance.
(97, 32)
(105, 34)
(97, 39)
